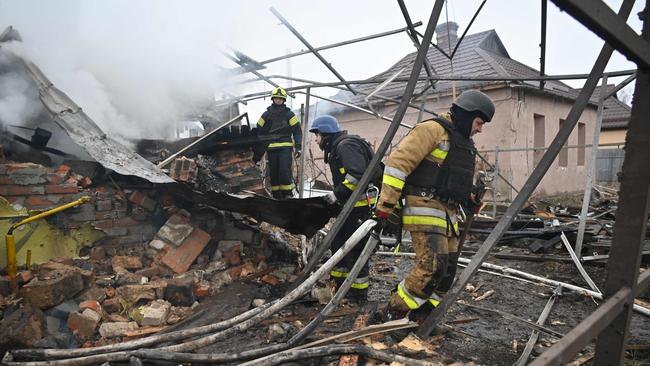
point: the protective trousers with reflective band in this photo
(281, 172)
(342, 269)
(432, 275)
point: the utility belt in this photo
(430, 192)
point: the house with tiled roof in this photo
(526, 121)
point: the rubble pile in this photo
(148, 264)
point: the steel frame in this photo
(533, 180)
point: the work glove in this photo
(387, 223)
(330, 198)
(475, 205)
(297, 154)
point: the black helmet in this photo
(476, 101)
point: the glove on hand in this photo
(331, 198)
(474, 205)
(297, 154)
(387, 223)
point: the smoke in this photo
(137, 68)
(18, 99)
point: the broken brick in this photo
(85, 182)
(202, 289)
(142, 200)
(247, 269)
(91, 304)
(126, 262)
(84, 324)
(183, 169)
(232, 257)
(156, 313)
(59, 285)
(9, 190)
(112, 305)
(270, 279)
(180, 259)
(116, 329)
(176, 229)
(103, 205)
(235, 272)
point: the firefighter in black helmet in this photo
(279, 120)
(433, 168)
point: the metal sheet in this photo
(85, 132)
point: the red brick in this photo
(61, 188)
(137, 197)
(201, 290)
(247, 269)
(232, 257)
(72, 180)
(110, 215)
(21, 190)
(126, 221)
(126, 262)
(235, 272)
(103, 224)
(85, 182)
(63, 170)
(270, 279)
(181, 258)
(93, 305)
(5, 180)
(84, 324)
(38, 203)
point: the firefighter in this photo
(348, 157)
(279, 120)
(433, 169)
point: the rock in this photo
(156, 313)
(258, 302)
(126, 262)
(277, 332)
(22, 328)
(84, 324)
(322, 294)
(116, 329)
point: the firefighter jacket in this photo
(280, 120)
(427, 144)
(348, 158)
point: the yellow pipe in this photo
(11, 242)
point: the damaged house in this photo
(526, 117)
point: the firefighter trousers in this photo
(436, 256)
(280, 169)
(342, 269)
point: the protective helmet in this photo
(279, 93)
(476, 101)
(325, 124)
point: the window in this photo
(563, 157)
(582, 140)
(539, 138)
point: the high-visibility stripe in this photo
(360, 286)
(293, 120)
(261, 122)
(426, 220)
(282, 187)
(338, 274)
(440, 154)
(351, 179)
(413, 302)
(394, 172)
(281, 144)
(349, 185)
(424, 211)
(393, 182)
(342, 170)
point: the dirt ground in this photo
(486, 339)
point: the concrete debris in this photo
(116, 329)
(155, 314)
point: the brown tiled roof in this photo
(616, 114)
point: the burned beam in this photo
(533, 180)
(609, 26)
(312, 49)
(631, 217)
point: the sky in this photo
(137, 67)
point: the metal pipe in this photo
(305, 136)
(10, 241)
(589, 178)
(620, 85)
(344, 43)
(383, 147)
(576, 261)
(174, 155)
(467, 29)
(542, 44)
(531, 183)
(312, 49)
(523, 359)
(411, 33)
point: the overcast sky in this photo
(135, 66)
